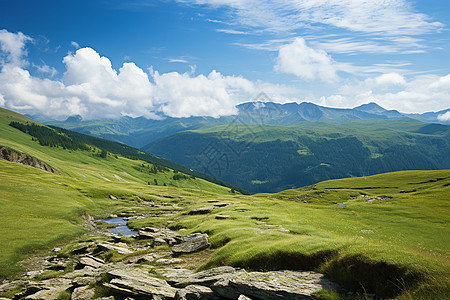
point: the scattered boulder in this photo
(194, 244)
(222, 217)
(112, 197)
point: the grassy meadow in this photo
(386, 234)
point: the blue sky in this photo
(202, 57)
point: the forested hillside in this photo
(273, 158)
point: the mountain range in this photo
(138, 132)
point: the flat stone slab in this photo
(290, 285)
(183, 277)
(138, 282)
(119, 249)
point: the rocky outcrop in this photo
(23, 159)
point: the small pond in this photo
(121, 228)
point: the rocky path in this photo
(151, 265)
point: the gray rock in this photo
(243, 297)
(222, 217)
(195, 292)
(194, 244)
(159, 242)
(202, 210)
(90, 261)
(83, 281)
(46, 289)
(120, 249)
(167, 261)
(138, 282)
(272, 285)
(146, 235)
(182, 277)
(83, 293)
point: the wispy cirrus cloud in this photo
(376, 26)
(389, 17)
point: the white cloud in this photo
(232, 31)
(75, 45)
(178, 60)
(444, 117)
(392, 91)
(213, 95)
(390, 79)
(12, 46)
(305, 62)
(45, 69)
(390, 17)
(92, 88)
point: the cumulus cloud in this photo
(214, 95)
(392, 91)
(302, 61)
(444, 117)
(92, 88)
(12, 46)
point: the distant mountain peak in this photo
(371, 107)
(74, 119)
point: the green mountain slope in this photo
(40, 207)
(268, 158)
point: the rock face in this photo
(272, 285)
(193, 244)
(23, 159)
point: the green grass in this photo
(377, 246)
(396, 247)
(40, 209)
